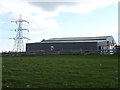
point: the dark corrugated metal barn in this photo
(83, 44)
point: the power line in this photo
(4, 38)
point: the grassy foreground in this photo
(60, 71)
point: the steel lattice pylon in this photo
(19, 45)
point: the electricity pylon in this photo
(19, 44)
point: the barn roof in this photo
(78, 39)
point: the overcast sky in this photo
(63, 18)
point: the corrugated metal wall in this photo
(33, 47)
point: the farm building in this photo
(74, 44)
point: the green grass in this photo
(60, 71)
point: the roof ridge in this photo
(79, 37)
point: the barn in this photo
(97, 44)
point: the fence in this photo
(73, 52)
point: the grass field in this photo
(60, 71)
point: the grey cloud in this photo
(50, 6)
